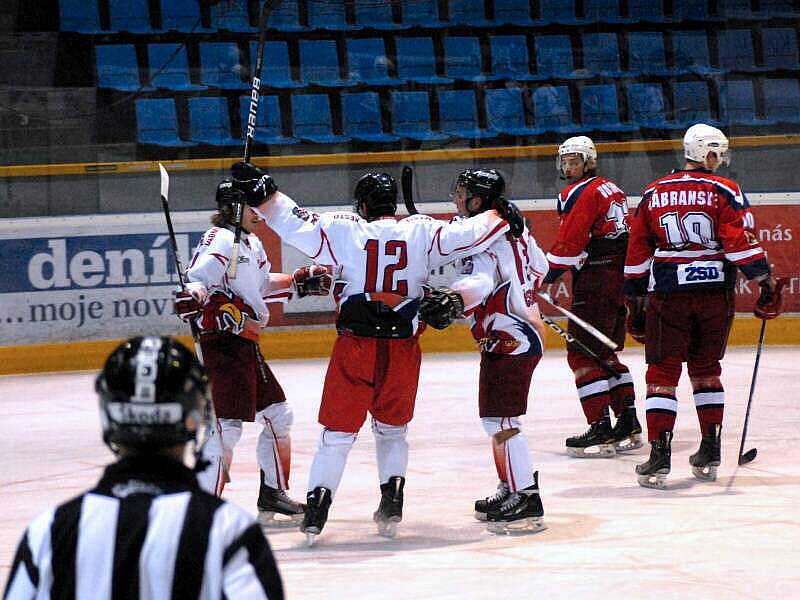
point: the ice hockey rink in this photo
(738, 537)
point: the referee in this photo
(146, 530)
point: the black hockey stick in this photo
(588, 327)
(255, 90)
(748, 456)
(570, 339)
(406, 181)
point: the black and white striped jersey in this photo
(147, 531)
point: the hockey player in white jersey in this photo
(375, 362)
(496, 292)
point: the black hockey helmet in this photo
(153, 394)
(227, 194)
(375, 195)
(487, 184)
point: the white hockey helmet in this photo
(580, 145)
(701, 139)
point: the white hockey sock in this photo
(231, 434)
(274, 446)
(514, 447)
(330, 459)
(391, 449)
(211, 478)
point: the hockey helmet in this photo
(580, 145)
(153, 394)
(701, 139)
(375, 195)
(227, 194)
(486, 184)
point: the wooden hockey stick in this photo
(570, 339)
(406, 181)
(599, 335)
(255, 90)
(748, 456)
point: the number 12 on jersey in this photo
(396, 259)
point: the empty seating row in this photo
(367, 61)
(510, 111)
(83, 16)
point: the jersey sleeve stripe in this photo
(736, 257)
(640, 269)
(565, 261)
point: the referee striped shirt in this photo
(147, 531)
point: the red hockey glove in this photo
(186, 306)
(312, 280)
(768, 305)
(635, 323)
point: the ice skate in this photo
(390, 510)
(653, 473)
(317, 504)
(627, 431)
(492, 502)
(521, 512)
(276, 508)
(706, 460)
(597, 442)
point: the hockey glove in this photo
(312, 280)
(188, 305)
(441, 307)
(768, 305)
(635, 323)
(256, 184)
(509, 211)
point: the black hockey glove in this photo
(441, 307)
(256, 183)
(509, 211)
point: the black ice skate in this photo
(627, 431)
(521, 512)
(706, 460)
(390, 510)
(492, 502)
(653, 473)
(597, 442)
(276, 508)
(317, 504)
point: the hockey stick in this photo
(570, 339)
(255, 90)
(601, 337)
(751, 454)
(406, 179)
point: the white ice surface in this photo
(608, 538)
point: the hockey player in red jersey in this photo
(591, 242)
(374, 367)
(690, 232)
(496, 291)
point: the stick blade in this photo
(748, 456)
(164, 183)
(406, 181)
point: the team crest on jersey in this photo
(494, 326)
(230, 318)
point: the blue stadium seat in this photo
(458, 115)
(559, 11)
(327, 15)
(376, 15)
(646, 54)
(510, 59)
(319, 63)
(169, 68)
(553, 109)
(157, 123)
(600, 108)
(462, 58)
(739, 9)
(514, 12)
(691, 10)
(736, 50)
(690, 53)
(361, 116)
(311, 114)
(368, 62)
(601, 54)
(603, 11)
(505, 112)
(209, 122)
(737, 103)
(232, 15)
(117, 67)
(646, 106)
(220, 65)
(469, 13)
(275, 69)
(411, 117)
(647, 11)
(79, 16)
(691, 103)
(416, 60)
(422, 13)
(286, 17)
(780, 48)
(268, 129)
(780, 100)
(182, 15)
(779, 8)
(554, 57)
(130, 15)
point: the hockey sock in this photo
(329, 461)
(661, 410)
(391, 449)
(274, 446)
(511, 452)
(622, 394)
(710, 404)
(594, 395)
